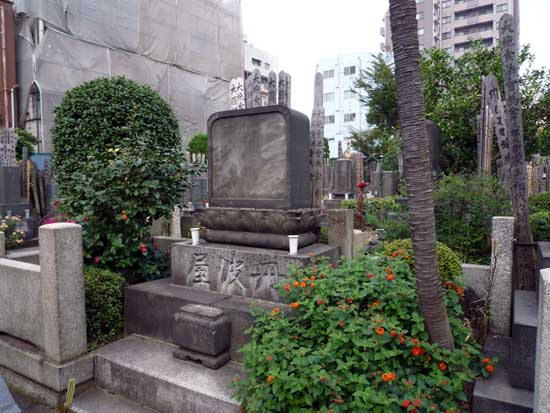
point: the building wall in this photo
(453, 24)
(344, 112)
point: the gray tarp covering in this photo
(187, 50)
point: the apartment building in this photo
(255, 58)
(454, 24)
(344, 113)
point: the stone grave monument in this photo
(10, 176)
(343, 170)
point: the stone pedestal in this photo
(340, 230)
(239, 270)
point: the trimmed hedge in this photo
(540, 225)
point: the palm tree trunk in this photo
(417, 168)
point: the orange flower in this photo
(312, 285)
(312, 278)
(275, 311)
(388, 377)
(406, 257)
(320, 302)
(486, 360)
(393, 333)
(380, 331)
(388, 270)
(376, 303)
(417, 351)
(303, 284)
(442, 366)
(390, 277)
(295, 305)
(288, 287)
(296, 284)
(269, 379)
(489, 368)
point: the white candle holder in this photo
(330, 197)
(27, 213)
(347, 196)
(293, 244)
(195, 236)
(8, 214)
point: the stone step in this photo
(145, 371)
(524, 340)
(96, 400)
(496, 394)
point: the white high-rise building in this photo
(255, 58)
(344, 112)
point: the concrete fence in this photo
(43, 318)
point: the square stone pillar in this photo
(501, 263)
(63, 299)
(542, 363)
(340, 230)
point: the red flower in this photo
(380, 331)
(341, 324)
(486, 360)
(370, 275)
(393, 333)
(143, 248)
(442, 366)
(269, 379)
(85, 219)
(156, 247)
(56, 203)
(287, 287)
(362, 185)
(417, 403)
(417, 351)
(97, 260)
(390, 277)
(406, 403)
(269, 358)
(349, 301)
(320, 302)
(489, 368)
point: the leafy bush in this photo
(464, 209)
(448, 262)
(25, 139)
(13, 236)
(356, 342)
(104, 305)
(198, 144)
(540, 225)
(118, 165)
(540, 202)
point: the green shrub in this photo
(118, 165)
(104, 305)
(464, 209)
(198, 144)
(448, 262)
(540, 225)
(540, 202)
(356, 342)
(25, 139)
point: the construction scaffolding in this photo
(187, 50)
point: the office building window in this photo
(446, 19)
(349, 117)
(420, 31)
(348, 94)
(502, 8)
(256, 62)
(419, 1)
(328, 97)
(445, 4)
(329, 119)
(446, 35)
(419, 15)
(328, 74)
(349, 70)
(267, 65)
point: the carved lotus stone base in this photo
(263, 228)
(240, 270)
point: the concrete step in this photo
(524, 340)
(96, 400)
(496, 394)
(145, 371)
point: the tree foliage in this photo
(452, 92)
(118, 163)
(198, 144)
(25, 139)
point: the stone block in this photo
(239, 270)
(96, 400)
(10, 185)
(358, 243)
(502, 258)
(165, 243)
(477, 278)
(343, 177)
(388, 184)
(62, 291)
(340, 230)
(542, 362)
(332, 203)
(259, 158)
(202, 329)
(524, 338)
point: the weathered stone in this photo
(272, 88)
(8, 145)
(358, 242)
(259, 158)
(202, 329)
(10, 185)
(259, 239)
(388, 184)
(211, 362)
(477, 278)
(7, 403)
(239, 270)
(236, 94)
(253, 89)
(96, 400)
(501, 300)
(284, 89)
(542, 362)
(524, 338)
(62, 291)
(175, 222)
(317, 142)
(340, 230)
(342, 177)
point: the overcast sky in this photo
(300, 32)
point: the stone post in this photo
(63, 308)
(317, 142)
(175, 223)
(340, 230)
(501, 264)
(542, 363)
(272, 88)
(284, 87)
(2, 245)
(253, 89)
